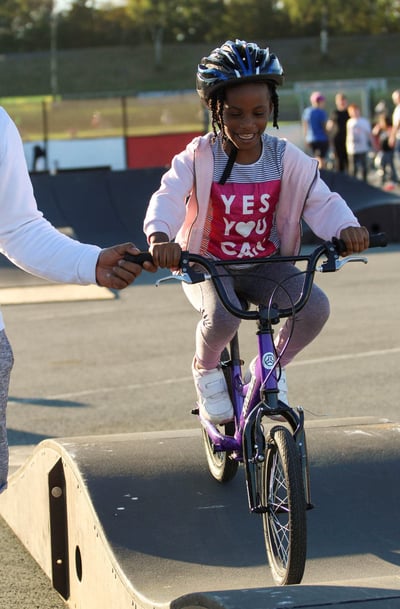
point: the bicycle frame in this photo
(246, 396)
(252, 402)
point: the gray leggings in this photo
(256, 284)
(6, 364)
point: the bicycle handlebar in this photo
(330, 249)
(375, 240)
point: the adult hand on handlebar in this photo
(355, 238)
(112, 271)
(165, 253)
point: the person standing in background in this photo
(394, 140)
(314, 121)
(384, 160)
(336, 127)
(359, 141)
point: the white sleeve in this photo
(396, 117)
(26, 237)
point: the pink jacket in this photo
(303, 195)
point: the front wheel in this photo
(285, 528)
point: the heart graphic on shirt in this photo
(245, 228)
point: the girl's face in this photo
(247, 108)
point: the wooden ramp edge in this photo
(135, 520)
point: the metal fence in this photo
(46, 118)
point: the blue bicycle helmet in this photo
(236, 61)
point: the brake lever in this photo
(191, 277)
(343, 261)
(338, 263)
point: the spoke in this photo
(281, 540)
(278, 503)
(284, 521)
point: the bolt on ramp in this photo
(135, 520)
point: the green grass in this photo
(124, 70)
(104, 116)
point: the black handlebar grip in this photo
(139, 258)
(375, 240)
(378, 240)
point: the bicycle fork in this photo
(254, 447)
(254, 451)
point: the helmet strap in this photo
(229, 165)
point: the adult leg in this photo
(384, 164)
(352, 165)
(341, 155)
(364, 165)
(392, 168)
(6, 363)
(343, 164)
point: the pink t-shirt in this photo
(240, 220)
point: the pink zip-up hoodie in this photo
(179, 207)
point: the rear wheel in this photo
(285, 527)
(221, 465)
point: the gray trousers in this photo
(6, 364)
(280, 282)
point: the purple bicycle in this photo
(274, 455)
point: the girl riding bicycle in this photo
(238, 192)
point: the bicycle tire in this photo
(220, 464)
(284, 522)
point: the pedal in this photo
(195, 411)
(259, 509)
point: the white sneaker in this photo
(282, 384)
(283, 387)
(212, 393)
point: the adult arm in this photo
(34, 244)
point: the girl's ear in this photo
(271, 108)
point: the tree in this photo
(152, 16)
(176, 20)
(24, 23)
(344, 16)
(197, 20)
(259, 20)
